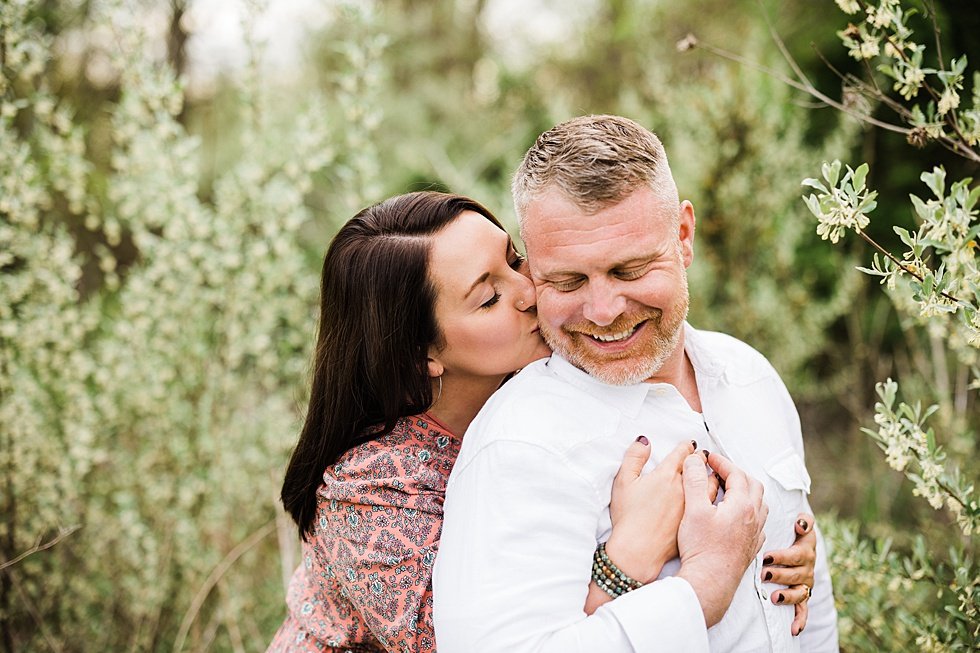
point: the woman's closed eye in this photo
(493, 300)
(518, 261)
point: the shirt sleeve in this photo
(385, 554)
(515, 564)
(820, 633)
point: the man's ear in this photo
(685, 232)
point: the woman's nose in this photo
(525, 296)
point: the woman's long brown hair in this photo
(377, 322)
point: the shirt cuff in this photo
(664, 615)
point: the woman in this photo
(424, 313)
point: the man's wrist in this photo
(709, 581)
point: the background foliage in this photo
(160, 249)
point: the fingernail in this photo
(721, 481)
(800, 631)
(803, 524)
(768, 575)
(780, 598)
(767, 560)
(694, 443)
(705, 452)
(643, 440)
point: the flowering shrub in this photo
(926, 599)
(154, 414)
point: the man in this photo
(608, 245)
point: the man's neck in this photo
(678, 371)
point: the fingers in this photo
(713, 484)
(734, 478)
(788, 575)
(799, 619)
(802, 553)
(634, 459)
(791, 595)
(695, 482)
(674, 461)
(804, 523)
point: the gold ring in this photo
(807, 588)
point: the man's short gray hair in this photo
(595, 161)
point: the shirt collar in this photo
(702, 359)
(626, 398)
(629, 398)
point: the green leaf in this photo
(972, 198)
(859, 176)
(815, 184)
(921, 209)
(935, 180)
(831, 172)
(905, 236)
(958, 66)
(813, 204)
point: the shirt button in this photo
(661, 392)
(763, 595)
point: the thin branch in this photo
(783, 51)
(803, 87)
(216, 574)
(863, 87)
(40, 547)
(936, 32)
(902, 265)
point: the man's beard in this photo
(659, 339)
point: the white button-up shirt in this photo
(528, 500)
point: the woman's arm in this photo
(384, 558)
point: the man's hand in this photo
(717, 543)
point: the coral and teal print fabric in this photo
(365, 581)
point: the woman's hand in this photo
(646, 510)
(793, 567)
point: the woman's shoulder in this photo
(416, 455)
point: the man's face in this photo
(612, 286)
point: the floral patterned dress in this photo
(365, 581)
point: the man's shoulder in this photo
(540, 408)
(741, 362)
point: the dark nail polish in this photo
(767, 560)
(800, 631)
(694, 443)
(768, 575)
(721, 481)
(643, 440)
(705, 452)
(780, 598)
(803, 524)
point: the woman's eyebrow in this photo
(483, 277)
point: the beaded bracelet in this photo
(610, 578)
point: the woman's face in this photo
(484, 303)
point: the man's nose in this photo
(604, 304)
